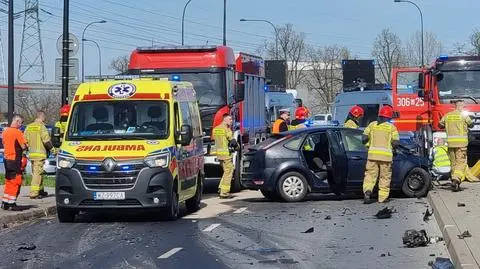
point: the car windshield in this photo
(119, 120)
(459, 85)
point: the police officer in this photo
(39, 146)
(381, 135)
(280, 125)
(224, 146)
(456, 126)
(301, 115)
(353, 118)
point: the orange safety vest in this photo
(276, 126)
(380, 140)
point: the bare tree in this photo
(387, 51)
(413, 48)
(120, 64)
(325, 79)
(27, 103)
(460, 48)
(475, 42)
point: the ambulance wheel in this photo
(417, 183)
(173, 207)
(66, 215)
(193, 204)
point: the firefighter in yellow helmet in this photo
(224, 146)
(39, 147)
(456, 126)
(381, 136)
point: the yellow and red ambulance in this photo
(130, 143)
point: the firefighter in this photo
(354, 116)
(456, 126)
(14, 146)
(62, 123)
(39, 147)
(281, 125)
(441, 160)
(301, 115)
(224, 146)
(381, 135)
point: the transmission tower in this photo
(31, 66)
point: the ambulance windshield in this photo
(119, 120)
(459, 85)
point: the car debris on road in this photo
(414, 238)
(385, 213)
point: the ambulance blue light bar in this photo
(175, 78)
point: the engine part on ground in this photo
(414, 238)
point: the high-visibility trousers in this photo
(458, 158)
(226, 180)
(373, 170)
(37, 177)
(12, 189)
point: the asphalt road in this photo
(246, 232)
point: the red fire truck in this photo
(422, 97)
(223, 85)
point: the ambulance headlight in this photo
(160, 160)
(65, 162)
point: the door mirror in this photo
(185, 135)
(421, 93)
(396, 115)
(421, 81)
(239, 76)
(240, 92)
(56, 137)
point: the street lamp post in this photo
(10, 92)
(421, 22)
(83, 53)
(224, 22)
(183, 21)
(99, 56)
(276, 34)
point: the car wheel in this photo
(193, 204)
(292, 187)
(270, 195)
(66, 215)
(416, 183)
(173, 207)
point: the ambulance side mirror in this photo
(56, 137)
(185, 135)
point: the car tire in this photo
(270, 195)
(292, 187)
(173, 207)
(416, 183)
(236, 185)
(193, 204)
(66, 215)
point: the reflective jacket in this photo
(279, 126)
(440, 157)
(351, 124)
(37, 137)
(456, 126)
(380, 138)
(222, 135)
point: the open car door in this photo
(338, 180)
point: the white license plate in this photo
(109, 195)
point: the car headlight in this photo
(65, 162)
(160, 160)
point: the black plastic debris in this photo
(328, 217)
(385, 213)
(465, 235)
(27, 247)
(414, 238)
(460, 204)
(310, 230)
(441, 263)
(427, 215)
(383, 255)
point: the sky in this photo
(130, 24)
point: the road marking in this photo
(211, 227)
(168, 254)
(240, 210)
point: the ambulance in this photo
(130, 143)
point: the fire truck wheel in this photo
(417, 183)
(193, 204)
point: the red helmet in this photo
(356, 111)
(65, 110)
(386, 111)
(301, 113)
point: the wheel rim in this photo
(415, 182)
(293, 186)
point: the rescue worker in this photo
(39, 147)
(224, 146)
(301, 114)
(14, 145)
(381, 135)
(62, 123)
(456, 126)
(441, 161)
(353, 117)
(280, 125)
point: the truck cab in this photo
(130, 144)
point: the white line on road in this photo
(240, 210)
(211, 227)
(169, 253)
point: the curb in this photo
(458, 249)
(29, 215)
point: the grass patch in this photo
(48, 181)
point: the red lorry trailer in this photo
(223, 85)
(422, 97)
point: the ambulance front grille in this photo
(95, 176)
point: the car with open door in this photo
(289, 165)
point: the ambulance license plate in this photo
(109, 195)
